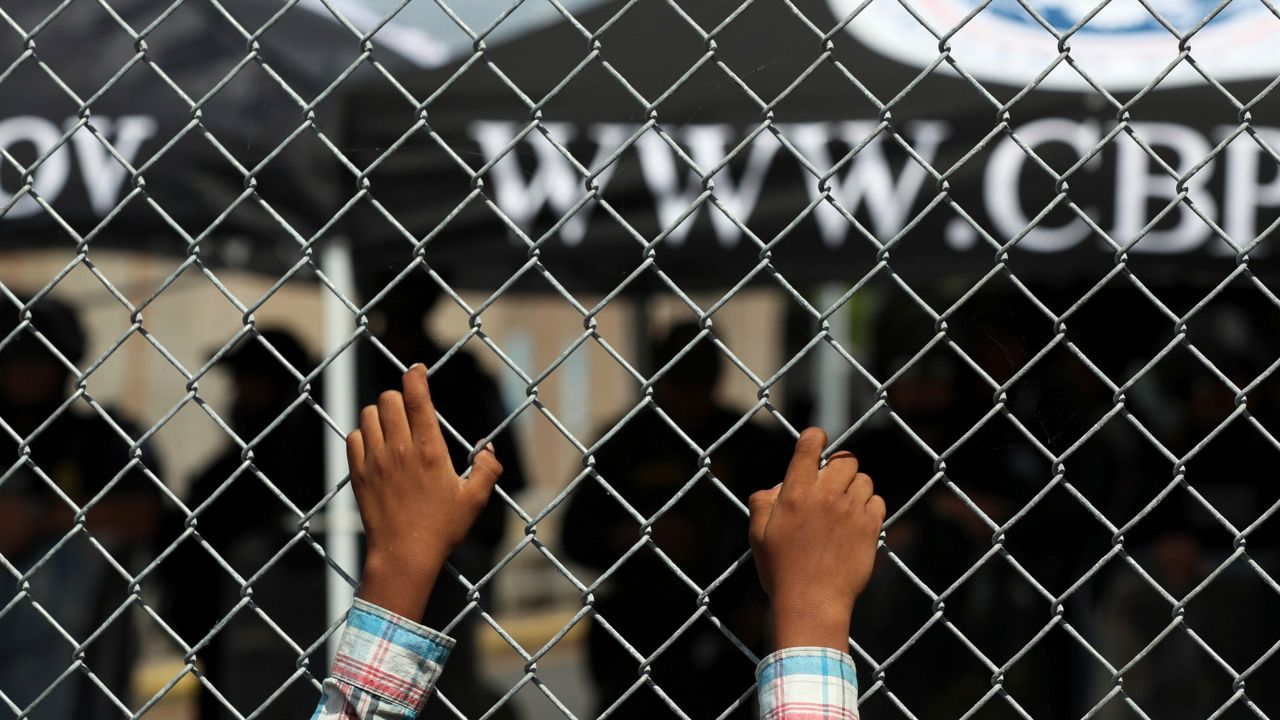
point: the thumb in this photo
(760, 504)
(485, 471)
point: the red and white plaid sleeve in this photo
(385, 668)
(807, 683)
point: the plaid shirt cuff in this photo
(807, 683)
(385, 658)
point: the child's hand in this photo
(814, 538)
(414, 506)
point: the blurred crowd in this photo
(238, 582)
(995, 552)
(1025, 555)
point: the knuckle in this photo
(841, 471)
(482, 468)
(794, 500)
(847, 467)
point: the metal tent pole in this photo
(342, 520)
(831, 372)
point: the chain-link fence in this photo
(1080, 519)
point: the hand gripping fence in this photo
(881, 669)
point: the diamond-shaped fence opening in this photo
(1015, 256)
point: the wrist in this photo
(812, 622)
(400, 584)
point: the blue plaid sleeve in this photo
(807, 683)
(385, 668)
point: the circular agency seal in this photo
(1123, 47)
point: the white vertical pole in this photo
(342, 521)
(641, 339)
(832, 384)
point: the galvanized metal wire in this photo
(648, 261)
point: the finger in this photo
(875, 506)
(861, 489)
(485, 471)
(395, 426)
(420, 411)
(355, 452)
(760, 504)
(370, 429)
(840, 471)
(804, 463)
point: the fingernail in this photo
(415, 366)
(489, 447)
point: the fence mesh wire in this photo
(881, 668)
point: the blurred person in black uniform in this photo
(469, 400)
(1180, 542)
(247, 525)
(647, 463)
(939, 537)
(79, 454)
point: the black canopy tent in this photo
(250, 178)
(636, 80)
(217, 134)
